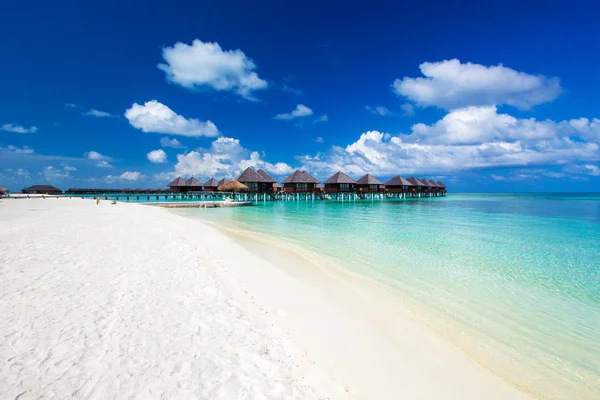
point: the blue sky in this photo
(487, 96)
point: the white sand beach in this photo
(130, 301)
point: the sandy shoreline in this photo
(134, 301)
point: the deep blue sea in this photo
(511, 279)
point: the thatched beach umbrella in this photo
(233, 186)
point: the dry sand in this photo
(129, 301)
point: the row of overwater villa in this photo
(300, 185)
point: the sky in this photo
(488, 96)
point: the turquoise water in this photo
(513, 280)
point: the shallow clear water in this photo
(514, 280)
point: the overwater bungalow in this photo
(339, 183)
(255, 182)
(193, 185)
(272, 181)
(417, 184)
(177, 186)
(221, 182)
(211, 185)
(399, 185)
(441, 187)
(299, 182)
(3, 191)
(42, 189)
(369, 184)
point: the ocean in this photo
(511, 279)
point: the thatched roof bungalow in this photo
(255, 181)
(211, 185)
(193, 185)
(399, 185)
(299, 182)
(178, 185)
(417, 183)
(3, 190)
(339, 183)
(272, 181)
(441, 187)
(369, 184)
(42, 189)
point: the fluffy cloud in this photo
(174, 143)
(319, 139)
(449, 84)
(378, 110)
(156, 117)
(205, 64)
(52, 174)
(104, 164)
(470, 138)
(125, 176)
(157, 156)
(103, 161)
(94, 155)
(69, 168)
(18, 128)
(300, 111)
(97, 113)
(226, 158)
(322, 118)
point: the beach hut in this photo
(42, 189)
(193, 185)
(255, 181)
(430, 188)
(399, 185)
(299, 182)
(233, 186)
(369, 184)
(211, 185)
(178, 185)
(433, 187)
(417, 184)
(270, 180)
(441, 187)
(339, 183)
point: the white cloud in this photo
(409, 110)
(378, 110)
(157, 156)
(322, 118)
(205, 64)
(475, 137)
(94, 155)
(319, 139)
(156, 117)
(17, 150)
(174, 143)
(225, 158)
(18, 173)
(449, 84)
(97, 113)
(69, 168)
(104, 164)
(103, 161)
(18, 128)
(300, 111)
(50, 174)
(125, 176)
(131, 176)
(592, 170)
